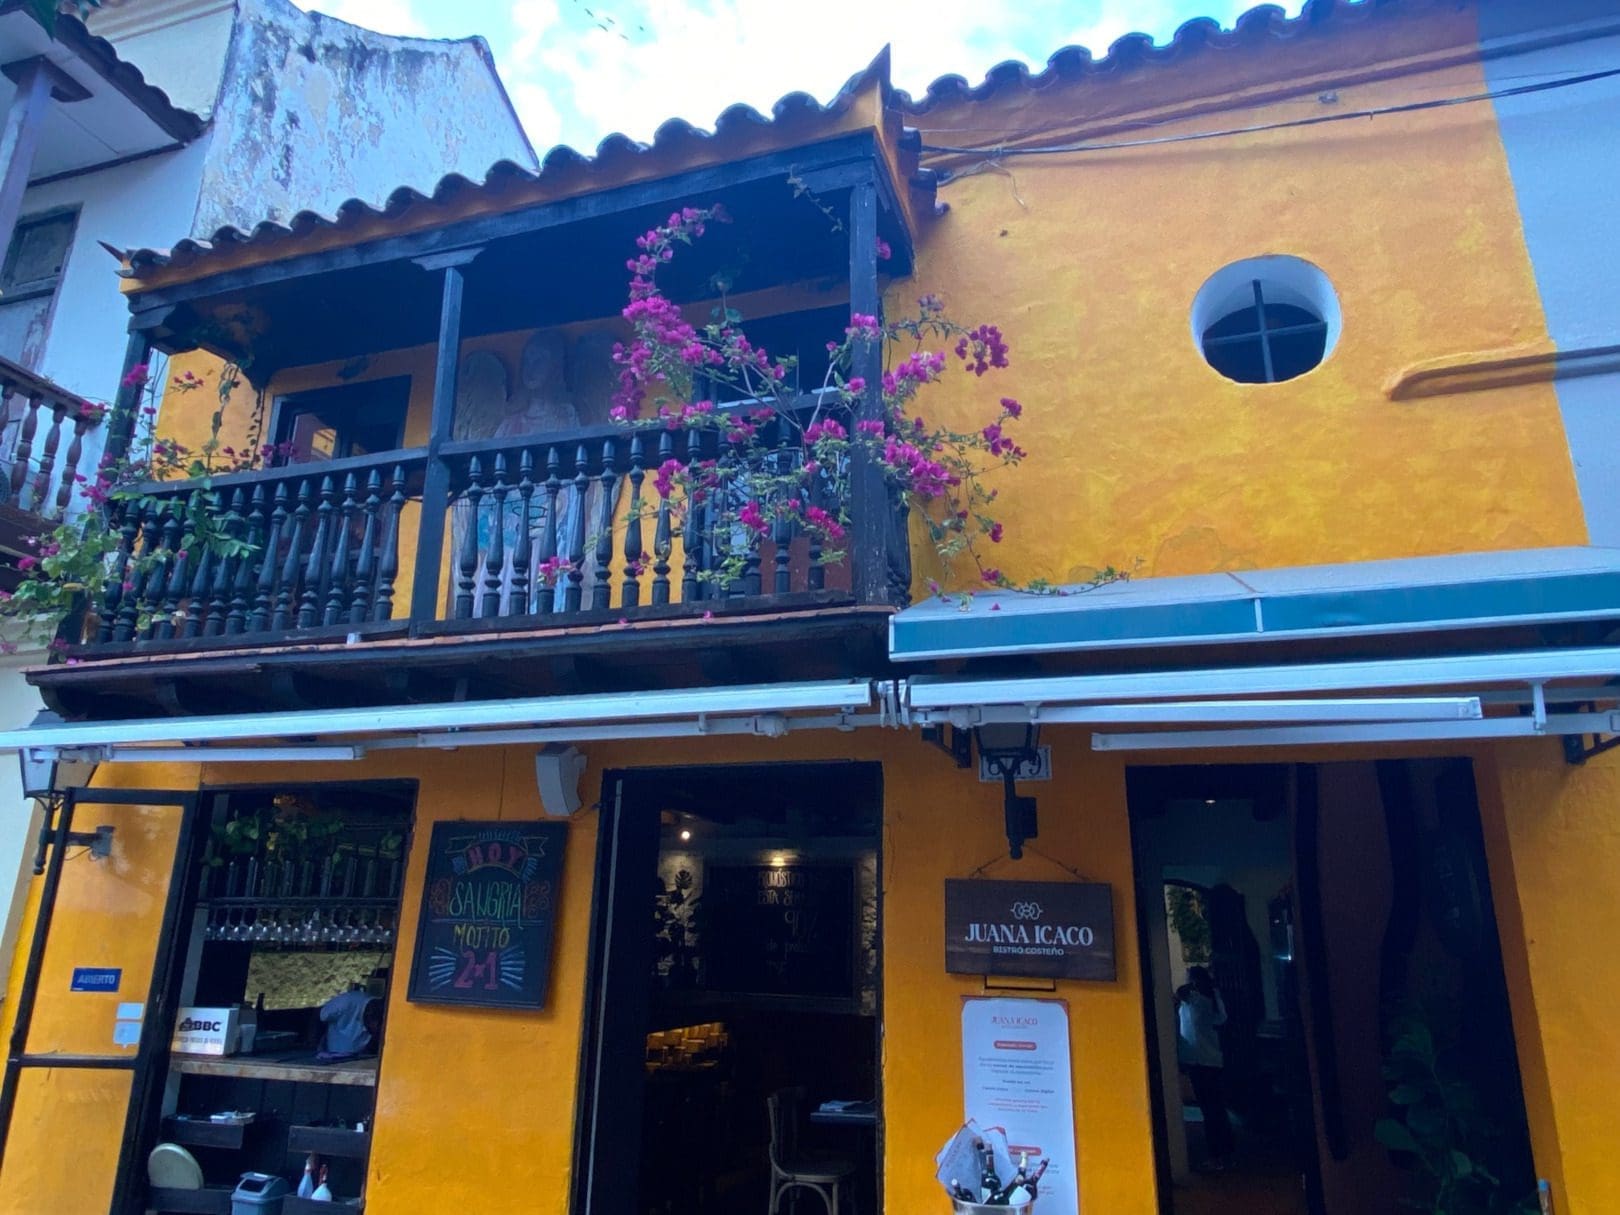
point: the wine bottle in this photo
(323, 1192)
(990, 1181)
(1033, 1185)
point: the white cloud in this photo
(579, 69)
(385, 16)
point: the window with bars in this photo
(1266, 342)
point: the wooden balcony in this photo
(542, 532)
(36, 471)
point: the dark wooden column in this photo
(436, 484)
(868, 506)
(127, 400)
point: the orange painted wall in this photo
(1138, 450)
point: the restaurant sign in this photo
(1043, 930)
(488, 914)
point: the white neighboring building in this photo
(167, 119)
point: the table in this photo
(860, 1114)
(300, 1067)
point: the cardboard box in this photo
(206, 1031)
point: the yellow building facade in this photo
(1431, 428)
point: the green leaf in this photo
(1426, 1121)
(1394, 1136)
(1461, 1165)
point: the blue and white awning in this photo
(1416, 594)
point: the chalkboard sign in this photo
(786, 930)
(489, 907)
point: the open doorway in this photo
(1325, 1004)
(735, 961)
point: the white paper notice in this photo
(1015, 1073)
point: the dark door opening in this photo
(735, 959)
(1323, 985)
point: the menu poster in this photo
(489, 909)
(1015, 1075)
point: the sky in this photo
(578, 70)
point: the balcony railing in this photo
(36, 473)
(537, 532)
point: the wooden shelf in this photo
(188, 1202)
(359, 1073)
(328, 1141)
(200, 1132)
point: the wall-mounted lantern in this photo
(1007, 747)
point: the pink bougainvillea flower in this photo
(995, 533)
(884, 253)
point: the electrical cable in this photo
(1003, 152)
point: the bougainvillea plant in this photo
(71, 564)
(673, 374)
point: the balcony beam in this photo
(436, 481)
(868, 539)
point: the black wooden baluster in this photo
(783, 536)
(692, 586)
(467, 559)
(202, 583)
(574, 590)
(754, 544)
(169, 585)
(663, 545)
(517, 603)
(489, 603)
(264, 590)
(287, 583)
(388, 566)
(602, 590)
(365, 566)
(135, 576)
(630, 595)
(123, 569)
(247, 566)
(546, 591)
(316, 569)
(817, 577)
(219, 601)
(337, 595)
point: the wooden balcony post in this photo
(868, 532)
(127, 403)
(436, 481)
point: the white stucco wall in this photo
(179, 45)
(146, 203)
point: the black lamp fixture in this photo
(1007, 747)
(47, 776)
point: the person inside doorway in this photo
(1200, 1012)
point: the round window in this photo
(1266, 319)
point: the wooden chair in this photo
(793, 1169)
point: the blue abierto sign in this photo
(96, 978)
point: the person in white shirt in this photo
(1200, 1012)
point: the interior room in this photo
(761, 992)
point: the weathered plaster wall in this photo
(1138, 450)
(316, 111)
(1566, 174)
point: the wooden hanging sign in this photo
(1044, 930)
